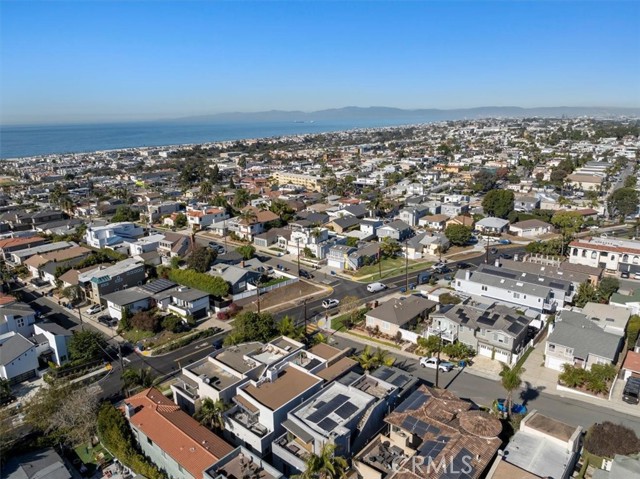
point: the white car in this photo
(96, 308)
(376, 287)
(432, 363)
(330, 303)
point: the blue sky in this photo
(106, 61)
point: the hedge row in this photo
(183, 341)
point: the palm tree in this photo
(248, 216)
(325, 465)
(210, 413)
(205, 188)
(132, 377)
(511, 381)
(369, 359)
(383, 358)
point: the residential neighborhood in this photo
(372, 301)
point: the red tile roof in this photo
(6, 299)
(190, 444)
(601, 247)
(632, 362)
(11, 242)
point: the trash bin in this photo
(462, 364)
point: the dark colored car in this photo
(305, 274)
(494, 250)
(624, 274)
(631, 393)
(506, 256)
(464, 265)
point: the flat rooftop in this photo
(286, 344)
(290, 383)
(269, 354)
(537, 454)
(325, 351)
(217, 377)
(374, 387)
(236, 357)
(333, 407)
(241, 466)
(551, 426)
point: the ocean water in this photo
(22, 141)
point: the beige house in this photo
(399, 313)
(585, 182)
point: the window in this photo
(551, 347)
(575, 252)
(20, 322)
(385, 325)
(635, 260)
(458, 283)
(625, 258)
(149, 441)
(594, 255)
(516, 295)
(118, 279)
(484, 288)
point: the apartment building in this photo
(202, 217)
(611, 254)
(108, 279)
(313, 183)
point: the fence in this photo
(266, 289)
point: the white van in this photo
(375, 287)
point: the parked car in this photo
(636, 276)
(631, 393)
(515, 407)
(504, 241)
(464, 265)
(432, 363)
(330, 303)
(106, 320)
(424, 278)
(624, 274)
(96, 308)
(376, 287)
(494, 250)
(305, 274)
(506, 256)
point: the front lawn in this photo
(136, 335)
(273, 281)
(390, 267)
(91, 457)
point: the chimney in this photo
(467, 275)
(497, 263)
(129, 410)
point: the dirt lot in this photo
(274, 299)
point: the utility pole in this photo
(305, 316)
(258, 291)
(438, 356)
(488, 243)
(80, 316)
(298, 245)
(379, 263)
(406, 264)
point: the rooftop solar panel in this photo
(346, 410)
(328, 408)
(431, 449)
(383, 373)
(327, 424)
(400, 380)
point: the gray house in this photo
(397, 230)
(579, 341)
(367, 254)
(412, 214)
(493, 330)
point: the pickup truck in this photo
(432, 363)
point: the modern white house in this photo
(530, 228)
(18, 318)
(492, 225)
(612, 254)
(58, 339)
(112, 234)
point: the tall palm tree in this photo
(210, 413)
(511, 381)
(370, 359)
(248, 216)
(383, 358)
(325, 465)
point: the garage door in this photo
(484, 350)
(504, 356)
(201, 313)
(334, 264)
(554, 363)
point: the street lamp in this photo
(298, 245)
(439, 334)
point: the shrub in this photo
(214, 285)
(608, 439)
(145, 321)
(222, 315)
(234, 309)
(183, 341)
(448, 298)
(172, 323)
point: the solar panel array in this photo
(431, 449)
(328, 408)
(383, 373)
(346, 410)
(327, 424)
(419, 427)
(400, 380)
(413, 402)
(460, 467)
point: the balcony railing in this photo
(249, 422)
(446, 335)
(292, 446)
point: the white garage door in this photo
(503, 356)
(484, 350)
(334, 264)
(554, 363)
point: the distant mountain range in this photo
(427, 114)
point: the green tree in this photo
(630, 181)
(125, 213)
(211, 413)
(214, 177)
(430, 345)
(326, 465)
(125, 320)
(458, 235)
(511, 379)
(287, 327)
(390, 247)
(86, 345)
(214, 285)
(201, 259)
(633, 330)
(5, 390)
(133, 378)
(73, 293)
(569, 223)
(498, 203)
(606, 288)
(252, 326)
(623, 202)
(180, 221)
(571, 376)
(352, 241)
(246, 251)
(484, 180)
(586, 294)
(206, 188)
